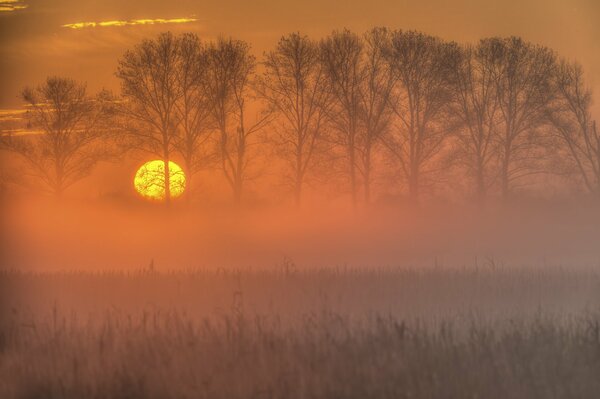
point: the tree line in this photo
(348, 109)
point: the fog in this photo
(44, 234)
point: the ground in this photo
(482, 332)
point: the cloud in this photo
(116, 23)
(11, 114)
(12, 5)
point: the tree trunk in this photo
(506, 158)
(237, 191)
(298, 180)
(367, 176)
(413, 184)
(353, 176)
(167, 179)
(504, 175)
(188, 181)
(298, 194)
(480, 184)
(59, 188)
(298, 186)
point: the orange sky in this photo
(34, 43)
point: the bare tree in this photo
(193, 108)
(295, 86)
(524, 76)
(227, 85)
(151, 88)
(341, 56)
(376, 92)
(422, 66)
(570, 116)
(476, 107)
(72, 129)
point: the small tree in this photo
(476, 108)
(193, 108)
(341, 57)
(72, 129)
(422, 66)
(151, 88)
(523, 73)
(294, 85)
(571, 120)
(227, 86)
(376, 94)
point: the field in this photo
(472, 332)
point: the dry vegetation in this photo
(485, 332)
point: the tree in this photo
(476, 108)
(227, 86)
(192, 109)
(151, 88)
(570, 117)
(523, 73)
(72, 129)
(294, 85)
(422, 67)
(341, 57)
(376, 92)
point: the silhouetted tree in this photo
(523, 73)
(422, 65)
(70, 132)
(376, 92)
(476, 107)
(342, 96)
(193, 108)
(295, 86)
(570, 116)
(341, 56)
(227, 86)
(151, 87)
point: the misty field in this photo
(484, 332)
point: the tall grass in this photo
(393, 333)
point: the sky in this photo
(38, 38)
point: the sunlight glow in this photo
(149, 180)
(104, 24)
(12, 5)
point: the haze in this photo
(102, 224)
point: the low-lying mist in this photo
(50, 235)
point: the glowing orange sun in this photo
(150, 179)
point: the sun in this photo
(149, 180)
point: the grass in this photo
(393, 333)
